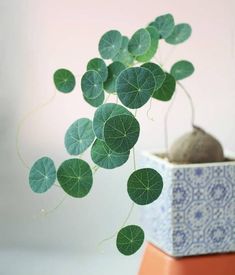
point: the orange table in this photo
(155, 262)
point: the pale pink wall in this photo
(41, 36)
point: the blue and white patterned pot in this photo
(195, 213)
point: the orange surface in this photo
(155, 262)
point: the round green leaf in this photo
(121, 133)
(98, 65)
(130, 239)
(140, 42)
(135, 86)
(91, 84)
(97, 101)
(103, 113)
(106, 158)
(180, 34)
(182, 69)
(64, 80)
(153, 46)
(110, 43)
(79, 136)
(124, 56)
(158, 73)
(42, 175)
(75, 177)
(144, 186)
(167, 89)
(165, 25)
(114, 69)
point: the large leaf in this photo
(106, 158)
(180, 34)
(64, 80)
(95, 102)
(114, 69)
(182, 69)
(121, 133)
(109, 44)
(167, 89)
(75, 177)
(140, 42)
(135, 86)
(130, 239)
(158, 73)
(164, 24)
(144, 186)
(79, 136)
(42, 175)
(153, 46)
(98, 64)
(91, 84)
(124, 56)
(103, 113)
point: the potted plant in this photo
(134, 77)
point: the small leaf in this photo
(79, 136)
(124, 56)
(165, 25)
(114, 69)
(103, 113)
(180, 34)
(75, 177)
(95, 102)
(64, 81)
(153, 46)
(91, 84)
(144, 186)
(167, 89)
(121, 133)
(182, 69)
(158, 73)
(98, 65)
(135, 86)
(110, 44)
(139, 43)
(130, 239)
(42, 175)
(106, 158)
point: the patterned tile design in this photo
(195, 213)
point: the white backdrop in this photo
(36, 38)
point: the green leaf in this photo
(158, 73)
(75, 177)
(106, 158)
(79, 136)
(103, 113)
(167, 89)
(114, 69)
(98, 64)
(140, 42)
(135, 86)
(180, 34)
(42, 175)
(124, 56)
(121, 133)
(95, 102)
(144, 186)
(91, 84)
(165, 25)
(64, 80)
(182, 69)
(153, 46)
(109, 44)
(130, 239)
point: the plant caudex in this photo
(114, 130)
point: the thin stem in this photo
(47, 212)
(107, 98)
(21, 123)
(149, 109)
(134, 160)
(190, 102)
